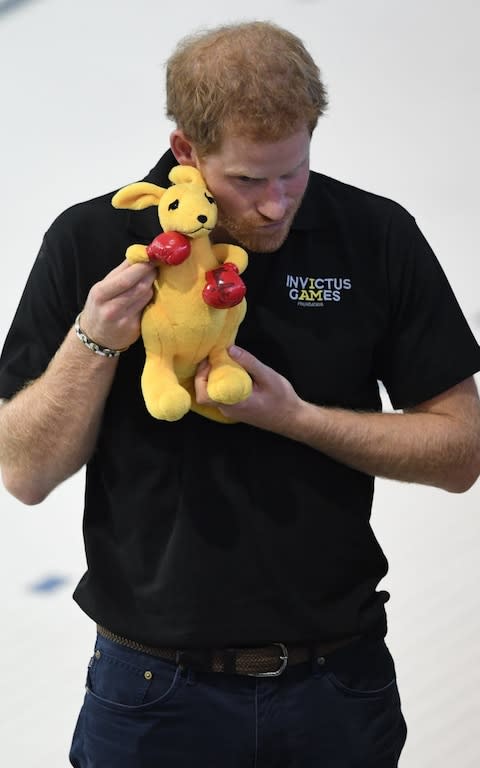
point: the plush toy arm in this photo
(232, 253)
(166, 248)
(136, 253)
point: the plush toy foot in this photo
(170, 405)
(209, 411)
(229, 385)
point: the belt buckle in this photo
(276, 672)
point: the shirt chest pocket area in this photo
(332, 365)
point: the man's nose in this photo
(273, 202)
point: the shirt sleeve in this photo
(46, 311)
(429, 346)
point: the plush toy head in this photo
(187, 207)
(199, 298)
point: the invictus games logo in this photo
(316, 291)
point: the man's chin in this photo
(261, 239)
(262, 242)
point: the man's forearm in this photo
(437, 442)
(49, 429)
(427, 448)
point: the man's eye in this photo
(173, 206)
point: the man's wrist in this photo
(292, 422)
(92, 345)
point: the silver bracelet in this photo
(92, 345)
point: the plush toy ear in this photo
(185, 174)
(138, 196)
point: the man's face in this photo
(258, 187)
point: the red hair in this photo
(254, 79)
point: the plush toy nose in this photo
(202, 219)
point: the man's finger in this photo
(203, 369)
(251, 364)
(122, 278)
(201, 381)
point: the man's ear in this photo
(183, 149)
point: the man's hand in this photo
(436, 443)
(49, 429)
(273, 400)
(112, 313)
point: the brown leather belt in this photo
(267, 661)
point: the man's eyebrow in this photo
(239, 172)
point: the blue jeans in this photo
(340, 711)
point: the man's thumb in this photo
(246, 360)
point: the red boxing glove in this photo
(224, 287)
(169, 248)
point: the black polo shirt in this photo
(204, 534)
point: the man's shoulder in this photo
(97, 219)
(341, 194)
(95, 216)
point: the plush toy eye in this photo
(173, 206)
(211, 200)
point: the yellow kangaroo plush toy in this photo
(198, 304)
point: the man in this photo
(232, 570)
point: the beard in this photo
(251, 233)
